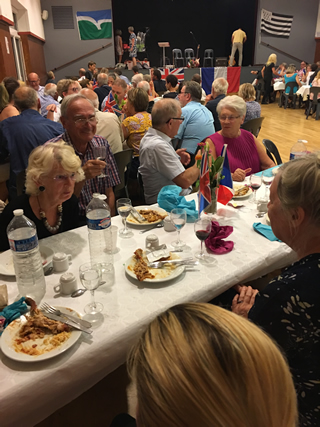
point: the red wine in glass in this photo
(255, 187)
(202, 234)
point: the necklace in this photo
(54, 229)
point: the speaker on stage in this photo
(221, 62)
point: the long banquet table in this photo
(29, 392)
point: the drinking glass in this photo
(100, 154)
(178, 218)
(124, 208)
(202, 228)
(255, 183)
(90, 276)
(267, 180)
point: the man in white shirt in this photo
(33, 81)
(160, 164)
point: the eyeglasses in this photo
(230, 118)
(176, 118)
(64, 178)
(75, 89)
(80, 122)
(183, 93)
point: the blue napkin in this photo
(169, 198)
(266, 231)
(12, 312)
(268, 172)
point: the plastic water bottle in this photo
(299, 149)
(23, 240)
(99, 235)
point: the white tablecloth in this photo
(304, 91)
(279, 85)
(29, 392)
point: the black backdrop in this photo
(211, 21)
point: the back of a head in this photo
(196, 361)
(163, 110)
(137, 78)
(291, 69)
(135, 69)
(91, 95)
(118, 71)
(50, 75)
(120, 82)
(50, 89)
(4, 97)
(247, 92)
(11, 84)
(272, 58)
(144, 85)
(172, 79)
(196, 78)
(313, 67)
(157, 74)
(102, 79)
(25, 98)
(220, 86)
(147, 78)
(84, 83)
(194, 89)
(82, 72)
(139, 99)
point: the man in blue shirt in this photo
(198, 120)
(49, 97)
(19, 135)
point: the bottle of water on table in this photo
(23, 241)
(299, 149)
(99, 235)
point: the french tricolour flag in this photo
(231, 74)
(225, 192)
(204, 188)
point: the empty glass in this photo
(90, 275)
(267, 180)
(178, 218)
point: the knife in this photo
(137, 215)
(67, 322)
(159, 225)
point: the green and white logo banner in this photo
(95, 25)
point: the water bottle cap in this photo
(102, 196)
(18, 212)
(303, 141)
(96, 195)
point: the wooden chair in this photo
(272, 151)
(123, 160)
(314, 103)
(253, 126)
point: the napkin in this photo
(215, 243)
(169, 198)
(12, 312)
(266, 231)
(268, 172)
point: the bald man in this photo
(49, 97)
(33, 81)
(108, 126)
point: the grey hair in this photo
(233, 102)
(144, 85)
(194, 89)
(137, 78)
(147, 78)
(69, 100)
(130, 29)
(220, 86)
(25, 98)
(163, 110)
(50, 89)
(291, 69)
(299, 186)
(102, 79)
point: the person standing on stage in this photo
(237, 39)
(133, 46)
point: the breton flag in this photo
(225, 191)
(178, 72)
(204, 188)
(231, 74)
(95, 25)
(276, 24)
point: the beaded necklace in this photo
(54, 229)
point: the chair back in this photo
(20, 182)
(208, 58)
(208, 53)
(253, 126)
(123, 160)
(177, 53)
(178, 59)
(272, 151)
(189, 54)
(315, 91)
(291, 85)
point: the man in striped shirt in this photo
(79, 120)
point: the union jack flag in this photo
(178, 72)
(204, 188)
(110, 105)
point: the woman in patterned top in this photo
(136, 124)
(248, 94)
(289, 307)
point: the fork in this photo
(49, 309)
(160, 264)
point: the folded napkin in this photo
(215, 243)
(266, 231)
(12, 312)
(169, 198)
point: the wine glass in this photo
(178, 218)
(90, 276)
(100, 154)
(267, 180)
(202, 228)
(124, 209)
(255, 183)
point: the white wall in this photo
(35, 23)
(5, 9)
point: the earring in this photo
(42, 188)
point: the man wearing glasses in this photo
(33, 81)
(160, 164)
(79, 120)
(198, 122)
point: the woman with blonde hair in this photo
(200, 365)
(291, 76)
(53, 169)
(248, 94)
(268, 71)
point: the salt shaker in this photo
(152, 242)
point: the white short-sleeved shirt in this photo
(159, 163)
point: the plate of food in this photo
(241, 191)
(137, 268)
(6, 259)
(153, 215)
(34, 337)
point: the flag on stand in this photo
(178, 72)
(204, 187)
(225, 192)
(231, 74)
(94, 25)
(276, 24)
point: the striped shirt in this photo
(94, 185)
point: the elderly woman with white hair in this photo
(245, 153)
(137, 78)
(53, 169)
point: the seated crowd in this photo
(49, 134)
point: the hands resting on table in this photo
(244, 300)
